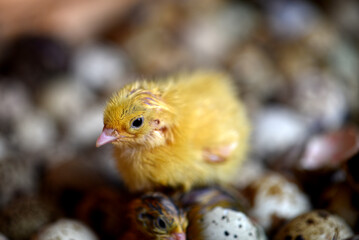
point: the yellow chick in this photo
(182, 131)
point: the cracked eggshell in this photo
(66, 229)
(221, 223)
(331, 149)
(315, 225)
(273, 197)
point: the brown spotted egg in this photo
(315, 225)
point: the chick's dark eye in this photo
(137, 122)
(161, 224)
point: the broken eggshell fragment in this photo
(330, 150)
(275, 199)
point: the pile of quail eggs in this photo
(296, 67)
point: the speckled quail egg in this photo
(99, 66)
(221, 223)
(291, 19)
(23, 216)
(66, 229)
(17, 177)
(309, 87)
(84, 129)
(36, 132)
(2, 237)
(315, 225)
(13, 94)
(210, 35)
(273, 197)
(65, 99)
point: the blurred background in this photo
(296, 64)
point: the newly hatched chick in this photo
(179, 132)
(155, 217)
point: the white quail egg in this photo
(221, 223)
(66, 229)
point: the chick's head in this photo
(157, 217)
(136, 117)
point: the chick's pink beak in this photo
(105, 137)
(178, 236)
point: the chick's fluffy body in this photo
(195, 131)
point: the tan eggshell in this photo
(315, 225)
